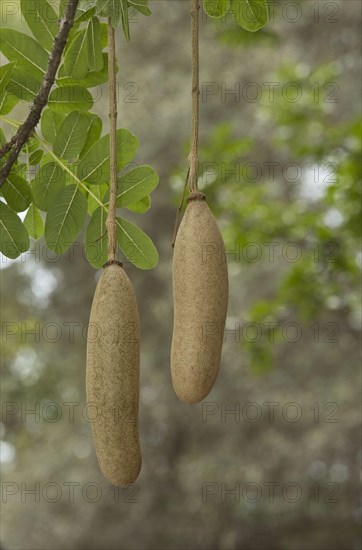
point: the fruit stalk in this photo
(193, 157)
(111, 218)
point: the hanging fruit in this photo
(113, 355)
(200, 277)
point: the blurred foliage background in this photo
(281, 168)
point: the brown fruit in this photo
(200, 289)
(113, 359)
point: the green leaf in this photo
(17, 192)
(23, 85)
(125, 19)
(34, 222)
(48, 182)
(14, 238)
(216, 8)
(79, 14)
(86, 11)
(21, 169)
(71, 136)
(65, 219)
(136, 245)
(96, 240)
(42, 21)
(140, 206)
(94, 46)
(251, 15)
(66, 99)
(99, 192)
(110, 8)
(91, 79)
(141, 6)
(36, 157)
(31, 145)
(104, 35)
(86, 4)
(94, 166)
(50, 124)
(93, 133)
(76, 57)
(8, 104)
(3, 140)
(138, 3)
(5, 76)
(47, 157)
(135, 184)
(26, 51)
(62, 6)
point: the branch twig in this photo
(111, 218)
(25, 130)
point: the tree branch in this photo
(41, 100)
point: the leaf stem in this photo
(69, 171)
(11, 121)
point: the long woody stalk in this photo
(195, 122)
(111, 218)
(193, 171)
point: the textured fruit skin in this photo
(113, 361)
(200, 291)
